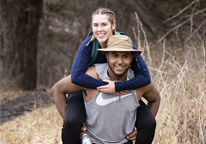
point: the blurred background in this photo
(39, 40)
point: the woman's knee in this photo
(71, 131)
(150, 124)
(146, 123)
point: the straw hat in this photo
(120, 43)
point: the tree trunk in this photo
(20, 26)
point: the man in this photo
(111, 118)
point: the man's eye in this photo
(114, 55)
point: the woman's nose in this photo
(99, 28)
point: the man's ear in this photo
(132, 57)
(107, 57)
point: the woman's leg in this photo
(75, 116)
(129, 142)
(145, 124)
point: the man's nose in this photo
(119, 61)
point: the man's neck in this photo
(115, 77)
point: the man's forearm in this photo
(154, 107)
(60, 101)
(61, 104)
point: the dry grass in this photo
(182, 115)
(41, 126)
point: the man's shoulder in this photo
(101, 70)
(91, 71)
(148, 88)
(98, 71)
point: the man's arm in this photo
(59, 91)
(154, 103)
(151, 94)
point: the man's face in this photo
(119, 63)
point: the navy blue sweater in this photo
(81, 62)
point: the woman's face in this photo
(102, 28)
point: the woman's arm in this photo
(80, 66)
(141, 79)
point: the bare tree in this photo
(19, 26)
(66, 23)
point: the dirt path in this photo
(24, 103)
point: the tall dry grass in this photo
(178, 70)
(182, 115)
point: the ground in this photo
(14, 104)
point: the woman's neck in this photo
(103, 45)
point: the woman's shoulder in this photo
(85, 42)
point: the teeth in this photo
(100, 34)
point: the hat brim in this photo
(134, 52)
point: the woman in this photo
(103, 26)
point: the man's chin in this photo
(119, 74)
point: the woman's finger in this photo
(103, 87)
(106, 80)
(110, 88)
(122, 93)
(103, 90)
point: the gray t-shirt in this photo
(111, 118)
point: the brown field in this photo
(179, 75)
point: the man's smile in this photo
(119, 68)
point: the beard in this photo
(117, 75)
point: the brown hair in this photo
(109, 13)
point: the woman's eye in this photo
(104, 24)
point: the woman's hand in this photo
(110, 88)
(132, 136)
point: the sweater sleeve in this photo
(141, 79)
(80, 66)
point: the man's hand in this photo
(132, 136)
(110, 88)
(83, 129)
